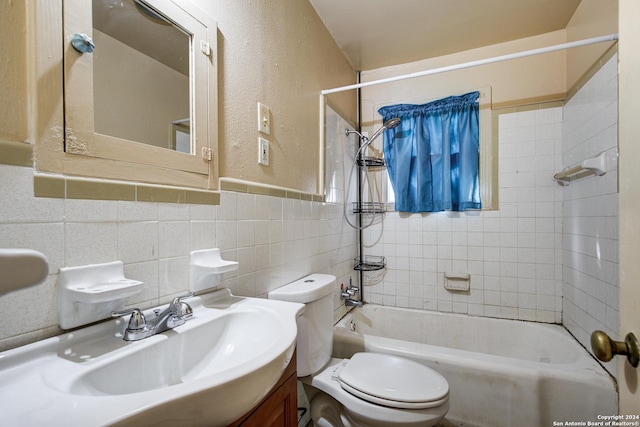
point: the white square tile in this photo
(137, 211)
(18, 204)
(262, 207)
(202, 212)
(203, 235)
(173, 212)
(507, 121)
(174, 239)
(226, 235)
(39, 313)
(138, 241)
(246, 206)
(227, 209)
(246, 260)
(147, 272)
(246, 234)
(173, 277)
(90, 211)
(90, 243)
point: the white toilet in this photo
(370, 389)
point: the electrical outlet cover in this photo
(263, 151)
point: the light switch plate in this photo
(264, 119)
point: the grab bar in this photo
(596, 165)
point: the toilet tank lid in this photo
(307, 289)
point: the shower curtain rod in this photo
(607, 38)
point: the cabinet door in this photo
(138, 108)
(279, 409)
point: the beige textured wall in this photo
(514, 82)
(13, 72)
(278, 53)
(593, 18)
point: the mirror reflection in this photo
(141, 75)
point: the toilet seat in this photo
(392, 381)
(364, 412)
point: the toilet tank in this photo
(315, 325)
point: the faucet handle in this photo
(176, 300)
(136, 321)
(182, 308)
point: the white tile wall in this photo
(513, 254)
(549, 254)
(590, 237)
(275, 240)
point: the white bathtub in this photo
(500, 372)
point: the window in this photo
(486, 173)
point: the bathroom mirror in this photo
(140, 74)
(144, 94)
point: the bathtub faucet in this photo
(352, 302)
(349, 295)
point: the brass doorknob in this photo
(605, 348)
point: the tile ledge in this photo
(251, 187)
(93, 189)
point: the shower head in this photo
(389, 124)
(392, 123)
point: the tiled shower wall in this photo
(513, 254)
(590, 229)
(548, 254)
(276, 240)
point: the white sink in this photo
(209, 371)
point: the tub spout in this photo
(352, 303)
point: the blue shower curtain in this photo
(432, 156)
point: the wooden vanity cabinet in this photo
(280, 407)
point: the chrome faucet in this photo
(352, 302)
(349, 296)
(139, 328)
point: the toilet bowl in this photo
(373, 389)
(368, 390)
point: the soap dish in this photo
(91, 292)
(457, 281)
(105, 291)
(206, 267)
